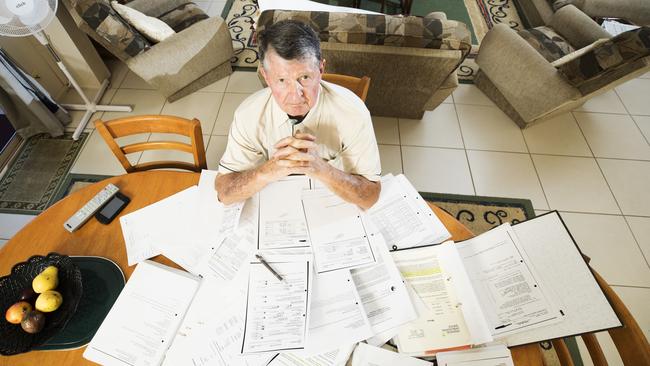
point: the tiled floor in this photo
(593, 165)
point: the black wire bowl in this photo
(13, 339)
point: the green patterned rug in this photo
(479, 15)
(34, 177)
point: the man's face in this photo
(294, 83)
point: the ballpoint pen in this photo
(266, 264)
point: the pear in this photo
(48, 301)
(47, 280)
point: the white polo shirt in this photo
(339, 120)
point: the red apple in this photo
(17, 312)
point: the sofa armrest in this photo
(636, 11)
(577, 27)
(523, 76)
(195, 50)
(155, 8)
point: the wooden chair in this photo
(358, 85)
(121, 127)
(631, 343)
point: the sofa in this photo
(197, 55)
(538, 73)
(411, 61)
(539, 12)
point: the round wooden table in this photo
(46, 234)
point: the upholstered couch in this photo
(535, 74)
(411, 61)
(196, 56)
(539, 12)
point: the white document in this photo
(615, 28)
(403, 217)
(452, 317)
(497, 355)
(367, 355)
(384, 296)
(336, 357)
(216, 218)
(510, 292)
(281, 218)
(277, 312)
(145, 317)
(338, 237)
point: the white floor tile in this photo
(202, 106)
(604, 103)
(488, 128)
(608, 241)
(613, 136)
(470, 94)
(437, 170)
(170, 155)
(97, 158)
(216, 148)
(78, 115)
(644, 125)
(645, 76)
(143, 102)
(244, 82)
(634, 94)
(437, 128)
(449, 99)
(391, 159)
(386, 130)
(506, 175)
(230, 103)
(216, 9)
(540, 212)
(559, 135)
(608, 347)
(133, 81)
(203, 5)
(10, 224)
(629, 181)
(218, 86)
(641, 229)
(636, 300)
(574, 184)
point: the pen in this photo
(266, 264)
(502, 326)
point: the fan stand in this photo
(89, 106)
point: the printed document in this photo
(142, 323)
(367, 355)
(403, 217)
(510, 292)
(277, 311)
(336, 357)
(281, 218)
(497, 355)
(338, 236)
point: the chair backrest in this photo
(358, 85)
(121, 127)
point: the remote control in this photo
(89, 209)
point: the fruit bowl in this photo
(13, 339)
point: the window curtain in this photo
(28, 106)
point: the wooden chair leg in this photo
(595, 351)
(562, 352)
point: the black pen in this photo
(503, 326)
(266, 264)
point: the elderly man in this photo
(299, 125)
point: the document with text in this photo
(495, 355)
(281, 218)
(368, 355)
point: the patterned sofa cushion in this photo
(607, 57)
(397, 31)
(183, 16)
(117, 34)
(547, 42)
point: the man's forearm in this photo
(352, 188)
(239, 186)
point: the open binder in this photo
(517, 284)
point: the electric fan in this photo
(20, 18)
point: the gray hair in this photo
(291, 40)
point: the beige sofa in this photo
(411, 61)
(196, 56)
(539, 12)
(538, 73)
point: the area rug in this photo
(36, 174)
(479, 15)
